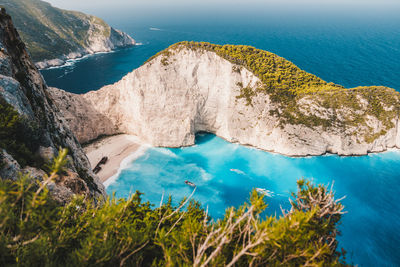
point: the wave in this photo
(72, 62)
(265, 192)
(205, 176)
(197, 173)
(238, 171)
(125, 163)
(154, 29)
(167, 152)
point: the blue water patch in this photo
(351, 51)
(226, 173)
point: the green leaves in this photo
(18, 135)
(36, 231)
(58, 163)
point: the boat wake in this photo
(265, 192)
(238, 171)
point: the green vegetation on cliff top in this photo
(276, 73)
(287, 84)
(51, 32)
(36, 231)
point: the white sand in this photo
(116, 148)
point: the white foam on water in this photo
(72, 62)
(204, 174)
(238, 171)
(265, 192)
(167, 152)
(125, 163)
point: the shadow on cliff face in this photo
(26, 94)
(83, 119)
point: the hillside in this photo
(53, 35)
(32, 131)
(241, 94)
(52, 210)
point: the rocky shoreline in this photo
(117, 39)
(61, 62)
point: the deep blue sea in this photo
(350, 49)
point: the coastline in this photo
(120, 150)
(70, 60)
(123, 149)
(65, 62)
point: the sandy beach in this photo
(116, 148)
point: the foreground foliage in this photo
(18, 135)
(36, 231)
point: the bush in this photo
(34, 231)
(18, 135)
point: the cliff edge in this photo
(31, 128)
(241, 94)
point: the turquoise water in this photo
(351, 47)
(225, 173)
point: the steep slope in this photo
(244, 95)
(31, 128)
(53, 35)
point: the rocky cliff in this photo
(53, 35)
(31, 128)
(241, 94)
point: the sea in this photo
(352, 47)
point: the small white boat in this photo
(190, 183)
(265, 192)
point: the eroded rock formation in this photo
(177, 94)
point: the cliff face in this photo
(24, 95)
(54, 35)
(184, 90)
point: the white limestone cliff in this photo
(169, 99)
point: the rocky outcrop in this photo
(9, 168)
(22, 87)
(184, 91)
(95, 43)
(54, 35)
(76, 108)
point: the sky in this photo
(144, 10)
(93, 4)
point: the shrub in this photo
(18, 135)
(34, 231)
